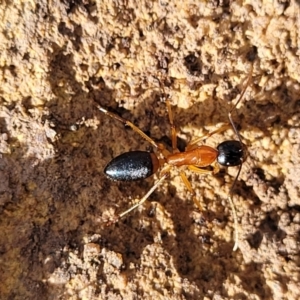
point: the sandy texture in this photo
(59, 60)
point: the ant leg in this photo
(194, 142)
(173, 129)
(154, 187)
(189, 187)
(198, 170)
(135, 128)
(171, 120)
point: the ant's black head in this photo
(231, 153)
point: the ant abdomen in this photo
(132, 165)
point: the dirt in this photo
(59, 61)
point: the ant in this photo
(137, 165)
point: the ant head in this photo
(231, 153)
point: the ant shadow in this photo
(71, 192)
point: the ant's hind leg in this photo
(141, 201)
(135, 128)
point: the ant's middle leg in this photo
(198, 170)
(173, 128)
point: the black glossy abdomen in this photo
(130, 166)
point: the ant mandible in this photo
(137, 165)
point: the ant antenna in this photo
(238, 101)
(233, 210)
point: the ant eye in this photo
(231, 153)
